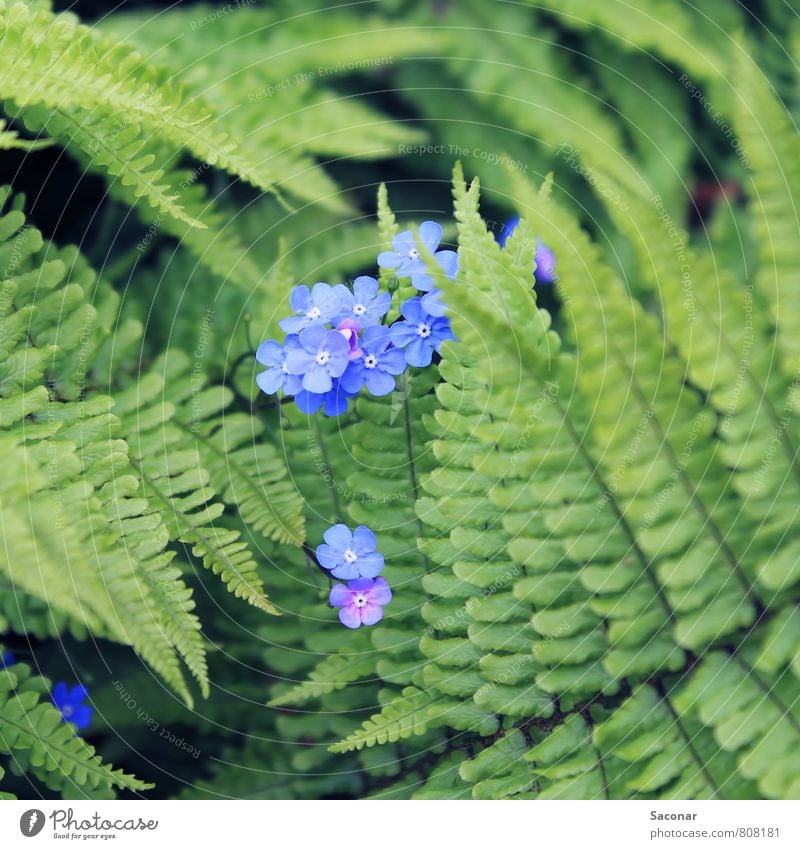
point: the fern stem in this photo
(695, 755)
(690, 488)
(623, 522)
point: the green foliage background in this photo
(588, 508)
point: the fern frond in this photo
(33, 732)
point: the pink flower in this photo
(349, 329)
(361, 602)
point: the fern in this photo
(33, 733)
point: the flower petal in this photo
(317, 379)
(403, 242)
(300, 299)
(403, 333)
(370, 565)
(60, 694)
(308, 402)
(82, 717)
(338, 536)
(299, 361)
(393, 361)
(389, 259)
(412, 310)
(352, 378)
(340, 595)
(364, 540)
(381, 593)
(378, 382)
(371, 614)
(448, 260)
(365, 289)
(350, 617)
(346, 571)
(270, 353)
(430, 234)
(270, 381)
(328, 556)
(419, 353)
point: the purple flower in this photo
(273, 355)
(361, 602)
(6, 660)
(420, 334)
(334, 402)
(407, 262)
(545, 272)
(378, 365)
(365, 304)
(545, 259)
(70, 702)
(349, 555)
(349, 328)
(321, 356)
(315, 307)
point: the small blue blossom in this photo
(406, 261)
(420, 334)
(361, 602)
(321, 356)
(506, 230)
(365, 304)
(273, 355)
(349, 555)
(544, 257)
(6, 660)
(432, 303)
(334, 402)
(70, 702)
(315, 307)
(379, 364)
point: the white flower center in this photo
(322, 358)
(284, 369)
(423, 330)
(314, 313)
(359, 309)
(413, 254)
(350, 556)
(370, 361)
(360, 600)
(67, 710)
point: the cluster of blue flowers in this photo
(353, 557)
(338, 342)
(70, 701)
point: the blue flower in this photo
(420, 334)
(316, 307)
(273, 355)
(365, 304)
(407, 262)
(378, 365)
(6, 660)
(321, 356)
(70, 702)
(334, 402)
(545, 259)
(506, 230)
(349, 555)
